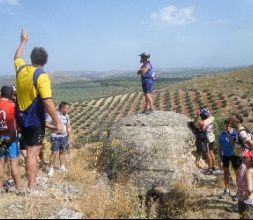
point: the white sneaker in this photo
(35, 193)
(62, 169)
(51, 172)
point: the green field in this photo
(87, 90)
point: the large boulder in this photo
(153, 150)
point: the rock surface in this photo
(66, 213)
(154, 150)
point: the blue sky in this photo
(109, 34)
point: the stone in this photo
(153, 150)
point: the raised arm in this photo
(23, 40)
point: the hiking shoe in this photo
(35, 193)
(150, 111)
(209, 172)
(62, 169)
(20, 192)
(248, 201)
(8, 184)
(51, 172)
(226, 194)
(145, 111)
(233, 208)
(236, 197)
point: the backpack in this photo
(249, 131)
(6, 136)
(150, 74)
(203, 136)
(34, 115)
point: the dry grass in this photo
(100, 198)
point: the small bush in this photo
(231, 95)
(224, 103)
(245, 113)
(244, 96)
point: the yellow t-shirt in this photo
(26, 91)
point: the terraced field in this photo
(91, 119)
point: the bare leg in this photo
(226, 177)
(62, 158)
(24, 153)
(32, 166)
(147, 106)
(1, 172)
(249, 179)
(15, 173)
(209, 160)
(150, 100)
(212, 158)
(53, 159)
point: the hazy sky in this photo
(109, 34)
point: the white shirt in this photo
(64, 119)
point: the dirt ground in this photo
(84, 193)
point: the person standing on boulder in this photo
(148, 77)
(34, 97)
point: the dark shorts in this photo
(236, 162)
(147, 85)
(22, 144)
(59, 144)
(207, 147)
(33, 136)
(245, 211)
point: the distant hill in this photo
(165, 73)
(69, 76)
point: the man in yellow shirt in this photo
(34, 98)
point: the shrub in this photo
(224, 103)
(231, 95)
(245, 113)
(240, 107)
(244, 96)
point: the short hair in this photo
(226, 121)
(238, 117)
(63, 104)
(39, 56)
(7, 92)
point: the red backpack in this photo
(8, 130)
